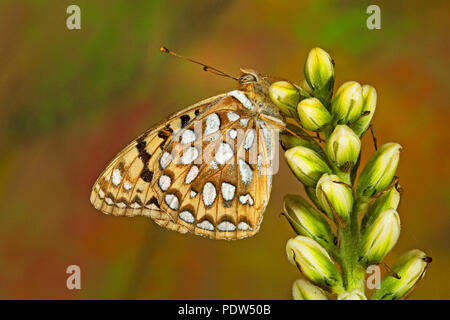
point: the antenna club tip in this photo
(163, 49)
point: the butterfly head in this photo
(251, 80)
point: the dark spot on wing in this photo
(163, 135)
(154, 201)
(146, 175)
(168, 128)
(137, 200)
(145, 156)
(123, 200)
(184, 120)
(140, 146)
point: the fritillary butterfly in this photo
(206, 170)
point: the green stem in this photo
(352, 271)
(327, 130)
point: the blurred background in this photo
(71, 99)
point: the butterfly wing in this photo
(123, 187)
(206, 171)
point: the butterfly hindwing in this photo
(213, 184)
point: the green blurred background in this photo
(70, 100)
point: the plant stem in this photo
(352, 271)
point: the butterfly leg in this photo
(303, 136)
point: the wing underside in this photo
(206, 171)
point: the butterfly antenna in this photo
(275, 77)
(205, 67)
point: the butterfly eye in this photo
(247, 78)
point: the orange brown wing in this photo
(206, 171)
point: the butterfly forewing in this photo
(129, 176)
(206, 171)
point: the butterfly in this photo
(205, 170)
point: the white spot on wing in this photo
(109, 201)
(249, 139)
(121, 205)
(164, 182)
(232, 133)
(259, 160)
(209, 194)
(245, 171)
(127, 185)
(246, 198)
(189, 155)
(242, 99)
(186, 216)
(224, 153)
(187, 137)
(116, 177)
(191, 175)
(193, 193)
(228, 191)
(172, 201)
(244, 121)
(166, 158)
(232, 116)
(226, 226)
(101, 194)
(152, 206)
(135, 205)
(206, 225)
(212, 123)
(244, 226)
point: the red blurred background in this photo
(71, 99)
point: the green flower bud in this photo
(354, 295)
(306, 221)
(346, 105)
(305, 86)
(369, 104)
(307, 165)
(313, 260)
(288, 140)
(343, 147)
(380, 237)
(388, 200)
(319, 73)
(285, 96)
(411, 267)
(313, 115)
(339, 195)
(305, 290)
(379, 170)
